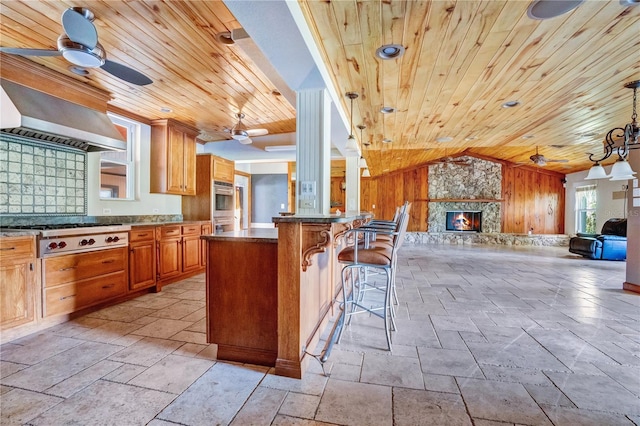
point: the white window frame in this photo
(583, 212)
(133, 138)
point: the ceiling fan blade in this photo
(79, 28)
(257, 132)
(125, 73)
(30, 52)
(246, 141)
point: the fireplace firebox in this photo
(464, 221)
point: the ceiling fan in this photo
(242, 134)
(540, 160)
(79, 45)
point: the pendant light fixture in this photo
(352, 145)
(619, 140)
(362, 163)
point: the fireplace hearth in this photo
(464, 221)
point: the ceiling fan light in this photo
(239, 134)
(622, 170)
(597, 172)
(245, 141)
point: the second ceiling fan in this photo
(242, 134)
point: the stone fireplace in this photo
(468, 185)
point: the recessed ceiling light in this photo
(528, 137)
(510, 104)
(390, 51)
(387, 110)
(630, 2)
(166, 109)
(386, 140)
(442, 139)
(225, 37)
(547, 9)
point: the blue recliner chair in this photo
(610, 244)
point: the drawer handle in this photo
(67, 297)
(68, 269)
(142, 235)
(106, 287)
(108, 261)
(7, 248)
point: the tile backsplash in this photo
(40, 179)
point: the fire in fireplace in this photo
(464, 221)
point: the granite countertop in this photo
(322, 218)
(185, 222)
(258, 235)
(20, 233)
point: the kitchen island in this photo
(270, 292)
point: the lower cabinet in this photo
(77, 281)
(142, 258)
(206, 230)
(179, 251)
(18, 281)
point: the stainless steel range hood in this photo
(32, 114)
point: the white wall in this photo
(144, 203)
(268, 168)
(607, 207)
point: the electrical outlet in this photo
(282, 206)
(307, 204)
(156, 210)
(106, 211)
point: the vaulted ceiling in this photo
(463, 60)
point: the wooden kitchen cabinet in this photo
(223, 170)
(17, 281)
(201, 207)
(169, 253)
(142, 258)
(77, 281)
(191, 247)
(173, 158)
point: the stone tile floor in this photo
(487, 335)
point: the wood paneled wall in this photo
(533, 198)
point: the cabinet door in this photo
(142, 265)
(169, 257)
(175, 161)
(223, 170)
(189, 165)
(190, 253)
(17, 286)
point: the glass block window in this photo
(41, 179)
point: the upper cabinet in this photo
(223, 169)
(173, 158)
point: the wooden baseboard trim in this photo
(246, 355)
(631, 287)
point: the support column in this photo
(352, 201)
(313, 155)
(632, 281)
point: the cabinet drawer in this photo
(142, 234)
(191, 229)
(170, 231)
(74, 267)
(71, 297)
(17, 246)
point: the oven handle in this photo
(223, 190)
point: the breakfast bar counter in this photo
(270, 292)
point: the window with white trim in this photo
(586, 209)
(117, 167)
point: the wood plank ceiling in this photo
(463, 60)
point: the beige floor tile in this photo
(190, 349)
(190, 336)
(392, 370)
(19, 406)
(179, 310)
(261, 408)
(162, 328)
(215, 398)
(146, 352)
(173, 374)
(60, 367)
(109, 332)
(124, 373)
(425, 408)
(350, 403)
(300, 405)
(79, 381)
(107, 403)
(8, 368)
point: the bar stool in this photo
(365, 253)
